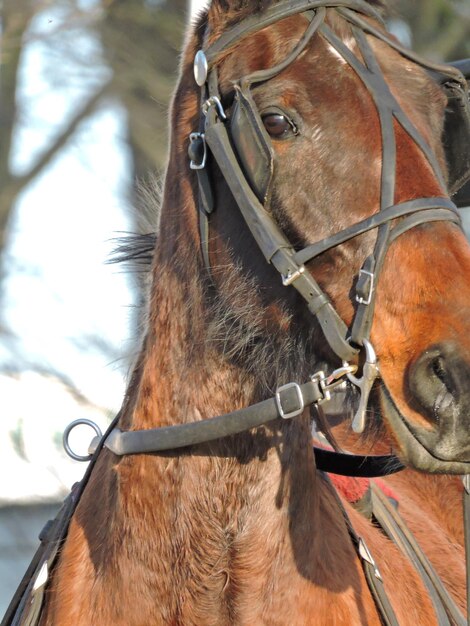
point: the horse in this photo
(315, 143)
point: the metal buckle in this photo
(321, 379)
(367, 300)
(193, 137)
(300, 398)
(288, 279)
(370, 372)
(329, 383)
(214, 101)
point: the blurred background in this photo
(84, 91)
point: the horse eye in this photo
(278, 125)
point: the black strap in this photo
(25, 608)
(466, 527)
(183, 435)
(356, 465)
(371, 571)
(417, 207)
(452, 70)
(396, 529)
(274, 245)
(276, 12)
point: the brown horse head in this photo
(325, 156)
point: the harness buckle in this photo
(370, 372)
(367, 283)
(329, 383)
(288, 279)
(321, 381)
(196, 142)
(300, 398)
(214, 101)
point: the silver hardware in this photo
(329, 383)
(367, 300)
(335, 379)
(288, 279)
(367, 556)
(192, 164)
(68, 430)
(200, 68)
(320, 378)
(300, 398)
(370, 372)
(41, 578)
(214, 101)
(94, 445)
(466, 482)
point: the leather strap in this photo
(274, 245)
(466, 527)
(394, 526)
(183, 435)
(276, 12)
(398, 210)
(356, 465)
(25, 608)
(371, 571)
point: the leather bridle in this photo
(224, 140)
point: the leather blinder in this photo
(457, 136)
(252, 144)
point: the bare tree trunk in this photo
(142, 43)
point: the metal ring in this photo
(68, 430)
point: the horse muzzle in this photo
(438, 388)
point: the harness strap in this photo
(371, 571)
(466, 527)
(290, 401)
(420, 207)
(356, 465)
(395, 528)
(274, 245)
(25, 608)
(274, 13)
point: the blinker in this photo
(200, 68)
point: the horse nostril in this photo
(431, 383)
(439, 370)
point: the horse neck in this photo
(186, 375)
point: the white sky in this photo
(59, 288)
